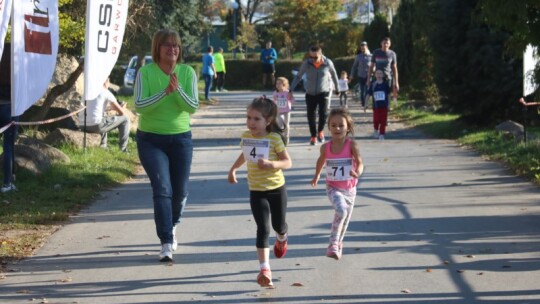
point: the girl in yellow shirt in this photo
(266, 157)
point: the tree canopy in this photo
(305, 21)
(520, 18)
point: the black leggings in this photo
(269, 203)
(312, 103)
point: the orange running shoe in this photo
(280, 248)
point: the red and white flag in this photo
(105, 27)
(5, 12)
(34, 44)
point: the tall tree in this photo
(520, 18)
(473, 74)
(72, 27)
(410, 40)
(376, 31)
(306, 20)
(147, 16)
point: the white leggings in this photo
(343, 202)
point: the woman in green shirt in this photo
(165, 97)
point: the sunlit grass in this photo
(521, 158)
(44, 201)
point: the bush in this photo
(247, 74)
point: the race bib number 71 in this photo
(254, 149)
(338, 169)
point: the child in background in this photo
(380, 91)
(284, 103)
(343, 87)
(344, 165)
(266, 157)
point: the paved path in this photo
(433, 223)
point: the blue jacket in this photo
(269, 56)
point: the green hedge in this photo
(247, 74)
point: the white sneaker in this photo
(223, 90)
(165, 255)
(174, 241)
(7, 188)
(375, 134)
(217, 90)
(381, 137)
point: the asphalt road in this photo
(433, 222)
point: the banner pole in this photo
(12, 151)
(525, 124)
(84, 127)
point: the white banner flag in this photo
(5, 12)
(34, 46)
(530, 59)
(105, 27)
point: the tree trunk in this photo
(57, 91)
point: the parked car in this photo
(131, 70)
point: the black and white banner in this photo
(105, 27)
(530, 60)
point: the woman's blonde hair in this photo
(160, 38)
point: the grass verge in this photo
(522, 158)
(43, 203)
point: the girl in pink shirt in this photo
(284, 102)
(344, 165)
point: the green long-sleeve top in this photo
(219, 62)
(160, 113)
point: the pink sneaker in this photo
(333, 251)
(280, 248)
(265, 278)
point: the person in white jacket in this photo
(97, 122)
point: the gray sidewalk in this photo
(433, 223)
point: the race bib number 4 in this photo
(339, 169)
(254, 149)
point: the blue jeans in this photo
(167, 162)
(362, 81)
(207, 84)
(9, 141)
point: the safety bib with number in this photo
(339, 169)
(379, 95)
(282, 104)
(254, 149)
